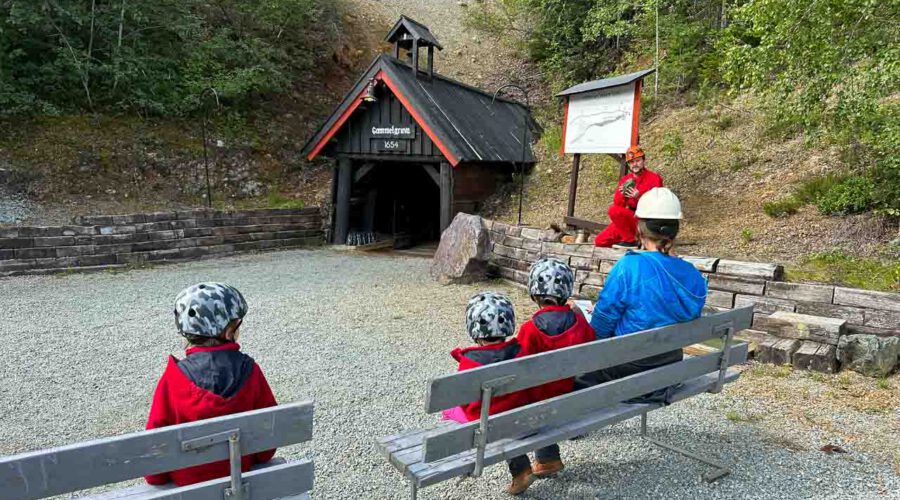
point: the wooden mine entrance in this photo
(413, 148)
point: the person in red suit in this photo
(213, 379)
(622, 230)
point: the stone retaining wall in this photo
(803, 307)
(106, 241)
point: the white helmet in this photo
(659, 203)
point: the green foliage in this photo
(746, 235)
(782, 207)
(277, 200)
(151, 56)
(673, 144)
(552, 138)
(853, 195)
(838, 267)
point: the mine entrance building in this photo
(412, 148)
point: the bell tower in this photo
(412, 36)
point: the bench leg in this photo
(720, 469)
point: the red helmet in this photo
(634, 152)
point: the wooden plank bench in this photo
(80, 466)
(430, 456)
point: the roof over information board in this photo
(605, 83)
(458, 118)
(415, 30)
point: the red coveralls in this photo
(623, 224)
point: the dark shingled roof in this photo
(415, 28)
(461, 116)
(605, 83)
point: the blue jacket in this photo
(647, 290)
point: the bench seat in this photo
(405, 451)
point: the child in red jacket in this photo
(490, 321)
(215, 378)
(554, 326)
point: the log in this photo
(765, 305)
(759, 270)
(800, 291)
(777, 351)
(853, 315)
(815, 357)
(720, 299)
(867, 298)
(737, 285)
(803, 327)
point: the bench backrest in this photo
(466, 386)
(75, 467)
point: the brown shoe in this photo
(520, 482)
(547, 469)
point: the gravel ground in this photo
(360, 335)
(14, 208)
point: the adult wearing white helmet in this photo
(650, 288)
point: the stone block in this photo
(40, 231)
(816, 357)
(777, 351)
(500, 227)
(510, 241)
(54, 241)
(7, 254)
(78, 230)
(581, 263)
(867, 298)
(868, 354)
(871, 330)
(56, 263)
(532, 233)
(803, 327)
(853, 315)
(531, 245)
(755, 336)
(512, 253)
(160, 216)
(610, 254)
(882, 319)
(514, 231)
(517, 265)
(705, 264)
(74, 251)
(736, 285)
(800, 291)
(8, 243)
(549, 247)
(590, 291)
(9, 232)
(720, 299)
(758, 270)
(579, 249)
(7, 266)
(97, 260)
(35, 253)
(765, 305)
(193, 232)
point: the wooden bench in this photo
(430, 456)
(75, 467)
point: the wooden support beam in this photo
(363, 171)
(342, 212)
(573, 184)
(333, 202)
(433, 173)
(415, 58)
(446, 186)
(431, 61)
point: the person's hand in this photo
(631, 192)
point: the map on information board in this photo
(600, 121)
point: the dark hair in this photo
(545, 300)
(201, 341)
(493, 339)
(660, 231)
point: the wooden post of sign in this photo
(573, 183)
(446, 194)
(342, 213)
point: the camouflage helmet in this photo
(490, 315)
(551, 277)
(205, 309)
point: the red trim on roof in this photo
(562, 144)
(418, 118)
(338, 124)
(636, 117)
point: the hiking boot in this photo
(520, 482)
(547, 469)
(627, 245)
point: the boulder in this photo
(868, 354)
(463, 253)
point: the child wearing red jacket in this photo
(215, 378)
(554, 326)
(490, 321)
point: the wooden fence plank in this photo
(79, 466)
(271, 483)
(464, 387)
(565, 408)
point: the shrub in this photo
(782, 207)
(853, 195)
